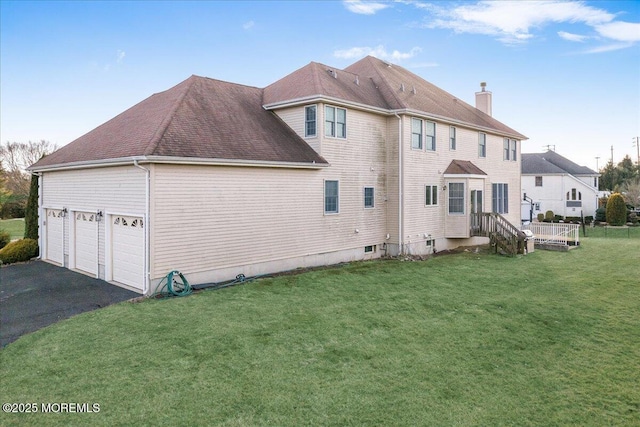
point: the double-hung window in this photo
(335, 122)
(430, 136)
(514, 149)
(482, 145)
(310, 121)
(416, 134)
(431, 195)
(538, 181)
(506, 150)
(452, 138)
(500, 198)
(368, 197)
(510, 149)
(456, 198)
(331, 197)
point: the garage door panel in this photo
(54, 233)
(86, 242)
(128, 250)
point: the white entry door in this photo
(86, 242)
(127, 250)
(54, 234)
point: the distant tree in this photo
(5, 193)
(616, 210)
(631, 192)
(31, 211)
(15, 157)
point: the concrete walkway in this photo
(36, 294)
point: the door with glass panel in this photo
(476, 210)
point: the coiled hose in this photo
(174, 285)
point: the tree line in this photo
(622, 178)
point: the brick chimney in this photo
(483, 99)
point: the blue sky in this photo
(562, 73)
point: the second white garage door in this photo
(86, 242)
(127, 246)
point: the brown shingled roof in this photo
(200, 118)
(463, 167)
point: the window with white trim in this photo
(416, 134)
(456, 198)
(310, 123)
(510, 149)
(482, 145)
(500, 198)
(506, 149)
(430, 136)
(538, 181)
(335, 122)
(431, 195)
(369, 197)
(452, 138)
(331, 197)
(514, 150)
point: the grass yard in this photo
(471, 339)
(15, 227)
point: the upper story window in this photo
(452, 138)
(510, 149)
(456, 198)
(430, 136)
(482, 145)
(574, 195)
(335, 122)
(538, 181)
(416, 134)
(310, 121)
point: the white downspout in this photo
(147, 258)
(400, 187)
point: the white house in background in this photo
(323, 166)
(555, 183)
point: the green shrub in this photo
(19, 251)
(633, 218)
(549, 215)
(540, 217)
(616, 210)
(5, 238)
(588, 219)
(601, 215)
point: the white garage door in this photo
(127, 250)
(54, 231)
(86, 244)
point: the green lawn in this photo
(15, 227)
(471, 339)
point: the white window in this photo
(507, 150)
(431, 195)
(456, 198)
(368, 197)
(500, 198)
(416, 134)
(335, 122)
(482, 145)
(310, 121)
(510, 149)
(430, 136)
(331, 197)
(452, 138)
(514, 150)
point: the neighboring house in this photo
(323, 166)
(555, 183)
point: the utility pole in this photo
(612, 154)
(637, 143)
(597, 170)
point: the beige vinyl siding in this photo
(295, 119)
(109, 189)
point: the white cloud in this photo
(609, 48)
(514, 21)
(248, 25)
(572, 37)
(364, 7)
(620, 31)
(378, 52)
(120, 57)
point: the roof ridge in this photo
(164, 125)
(386, 82)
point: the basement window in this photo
(369, 249)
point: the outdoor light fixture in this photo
(99, 216)
(64, 212)
(444, 187)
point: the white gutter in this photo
(400, 187)
(147, 240)
(124, 161)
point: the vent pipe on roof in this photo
(401, 87)
(413, 90)
(484, 99)
(357, 81)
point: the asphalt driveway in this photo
(36, 294)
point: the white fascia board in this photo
(178, 160)
(326, 100)
(463, 176)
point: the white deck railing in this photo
(554, 233)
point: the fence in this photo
(554, 233)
